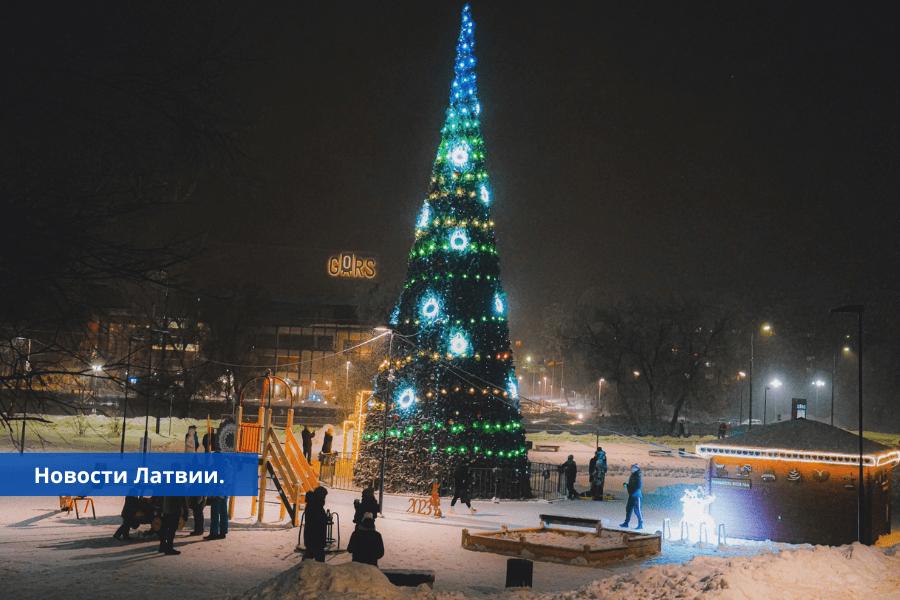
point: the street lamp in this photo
(860, 506)
(347, 380)
(817, 384)
(768, 329)
(775, 384)
(387, 403)
(528, 360)
(741, 375)
(599, 400)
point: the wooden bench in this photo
(409, 578)
(545, 448)
(574, 521)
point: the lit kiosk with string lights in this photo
(448, 390)
(797, 482)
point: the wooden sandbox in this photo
(593, 548)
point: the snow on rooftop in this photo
(802, 435)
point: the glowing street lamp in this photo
(860, 506)
(775, 384)
(817, 384)
(766, 327)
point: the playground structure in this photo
(281, 462)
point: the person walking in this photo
(173, 508)
(365, 505)
(191, 441)
(218, 517)
(634, 487)
(306, 437)
(315, 525)
(366, 545)
(462, 480)
(197, 504)
(570, 469)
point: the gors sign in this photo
(351, 265)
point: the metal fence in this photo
(539, 480)
(335, 471)
(547, 482)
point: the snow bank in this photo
(311, 579)
(821, 573)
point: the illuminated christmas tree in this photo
(451, 389)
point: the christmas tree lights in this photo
(450, 385)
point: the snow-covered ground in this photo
(48, 554)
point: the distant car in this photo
(755, 422)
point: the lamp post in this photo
(775, 384)
(817, 384)
(528, 360)
(347, 380)
(833, 369)
(860, 504)
(387, 405)
(599, 400)
(766, 328)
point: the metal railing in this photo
(335, 471)
(547, 483)
(539, 480)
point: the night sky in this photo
(634, 146)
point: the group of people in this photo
(306, 438)
(173, 509)
(597, 468)
(366, 544)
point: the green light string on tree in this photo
(453, 396)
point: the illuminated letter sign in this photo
(351, 265)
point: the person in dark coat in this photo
(211, 442)
(326, 441)
(597, 472)
(128, 520)
(306, 437)
(462, 479)
(366, 504)
(173, 508)
(366, 545)
(571, 471)
(634, 487)
(315, 525)
(197, 504)
(723, 429)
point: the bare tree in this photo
(113, 113)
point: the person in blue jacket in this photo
(635, 494)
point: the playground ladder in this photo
(290, 472)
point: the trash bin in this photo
(519, 572)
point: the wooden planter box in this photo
(616, 545)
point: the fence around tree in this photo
(540, 480)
